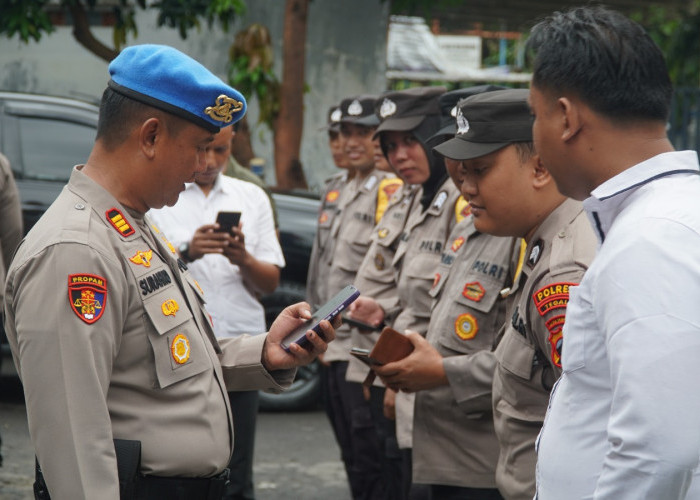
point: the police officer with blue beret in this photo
(125, 383)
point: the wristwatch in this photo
(184, 250)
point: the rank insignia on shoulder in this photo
(119, 222)
(474, 291)
(535, 254)
(466, 326)
(440, 199)
(170, 307)
(331, 196)
(457, 244)
(180, 349)
(87, 294)
(142, 258)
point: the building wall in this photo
(346, 54)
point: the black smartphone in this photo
(363, 355)
(227, 221)
(327, 311)
(362, 325)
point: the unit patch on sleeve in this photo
(87, 294)
(466, 326)
(555, 324)
(119, 222)
(550, 297)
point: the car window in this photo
(50, 148)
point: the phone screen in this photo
(227, 221)
(327, 311)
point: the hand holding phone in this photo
(328, 311)
(364, 356)
(227, 221)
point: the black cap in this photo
(359, 110)
(404, 110)
(488, 122)
(448, 106)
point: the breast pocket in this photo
(178, 346)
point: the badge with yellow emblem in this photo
(142, 258)
(331, 196)
(87, 294)
(466, 326)
(180, 349)
(170, 307)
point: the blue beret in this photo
(167, 79)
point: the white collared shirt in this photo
(233, 307)
(624, 418)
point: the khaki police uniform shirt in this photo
(322, 249)
(375, 277)
(111, 339)
(529, 352)
(415, 263)
(454, 442)
(10, 219)
(351, 232)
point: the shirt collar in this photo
(218, 186)
(606, 201)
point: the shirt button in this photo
(79, 206)
(562, 234)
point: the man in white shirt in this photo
(624, 418)
(233, 269)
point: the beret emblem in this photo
(355, 108)
(224, 109)
(388, 108)
(462, 123)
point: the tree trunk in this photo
(290, 121)
(83, 35)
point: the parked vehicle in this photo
(44, 136)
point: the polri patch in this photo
(119, 222)
(555, 326)
(87, 294)
(466, 326)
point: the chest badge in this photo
(473, 291)
(379, 262)
(466, 326)
(180, 349)
(87, 294)
(170, 307)
(142, 258)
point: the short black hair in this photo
(119, 114)
(606, 59)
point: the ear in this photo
(541, 176)
(571, 118)
(150, 134)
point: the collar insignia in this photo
(180, 349)
(117, 219)
(387, 108)
(462, 123)
(142, 258)
(457, 244)
(331, 196)
(355, 108)
(87, 294)
(224, 109)
(440, 200)
(383, 232)
(535, 254)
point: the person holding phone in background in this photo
(233, 268)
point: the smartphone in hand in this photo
(327, 311)
(363, 355)
(227, 221)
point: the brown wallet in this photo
(391, 346)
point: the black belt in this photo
(181, 488)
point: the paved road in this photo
(296, 454)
